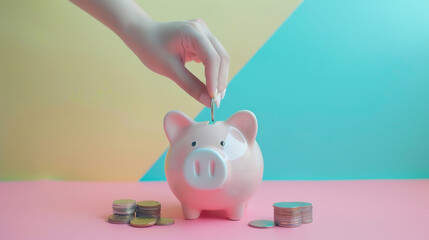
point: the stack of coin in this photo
(287, 214)
(123, 211)
(148, 209)
(306, 212)
(148, 213)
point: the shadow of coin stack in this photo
(292, 214)
(123, 211)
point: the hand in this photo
(166, 47)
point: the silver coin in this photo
(212, 108)
(149, 216)
(124, 209)
(143, 222)
(261, 224)
(164, 221)
(304, 204)
(149, 204)
(119, 219)
(287, 206)
(149, 210)
(287, 219)
(124, 206)
(288, 225)
(288, 215)
(144, 212)
(124, 202)
(123, 212)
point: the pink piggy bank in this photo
(213, 166)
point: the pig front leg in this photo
(236, 212)
(190, 213)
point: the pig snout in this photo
(205, 169)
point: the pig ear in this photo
(174, 123)
(245, 121)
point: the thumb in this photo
(189, 82)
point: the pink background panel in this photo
(373, 209)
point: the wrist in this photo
(133, 21)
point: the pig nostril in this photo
(197, 168)
(212, 168)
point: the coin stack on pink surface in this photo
(292, 214)
(306, 212)
(287, 214)
(123, 211)
(147, 213)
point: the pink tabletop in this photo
(377, 209)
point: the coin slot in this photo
(212, 168)
(197, 168)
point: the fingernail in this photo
(223, 93)
(218, 100)
(215, 93)
(205, 99)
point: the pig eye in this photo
(222, 143)
(194, 144)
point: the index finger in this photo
(210, 59)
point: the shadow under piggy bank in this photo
(175, 212)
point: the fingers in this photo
(188, 82)
(224, 65)
(200, 45)
(209, 57)
(224, 61)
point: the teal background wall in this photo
(341, 91)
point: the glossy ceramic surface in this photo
(213, 166)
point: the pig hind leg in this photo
(190, 213)
(236, 212)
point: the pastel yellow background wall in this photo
(77, 104)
